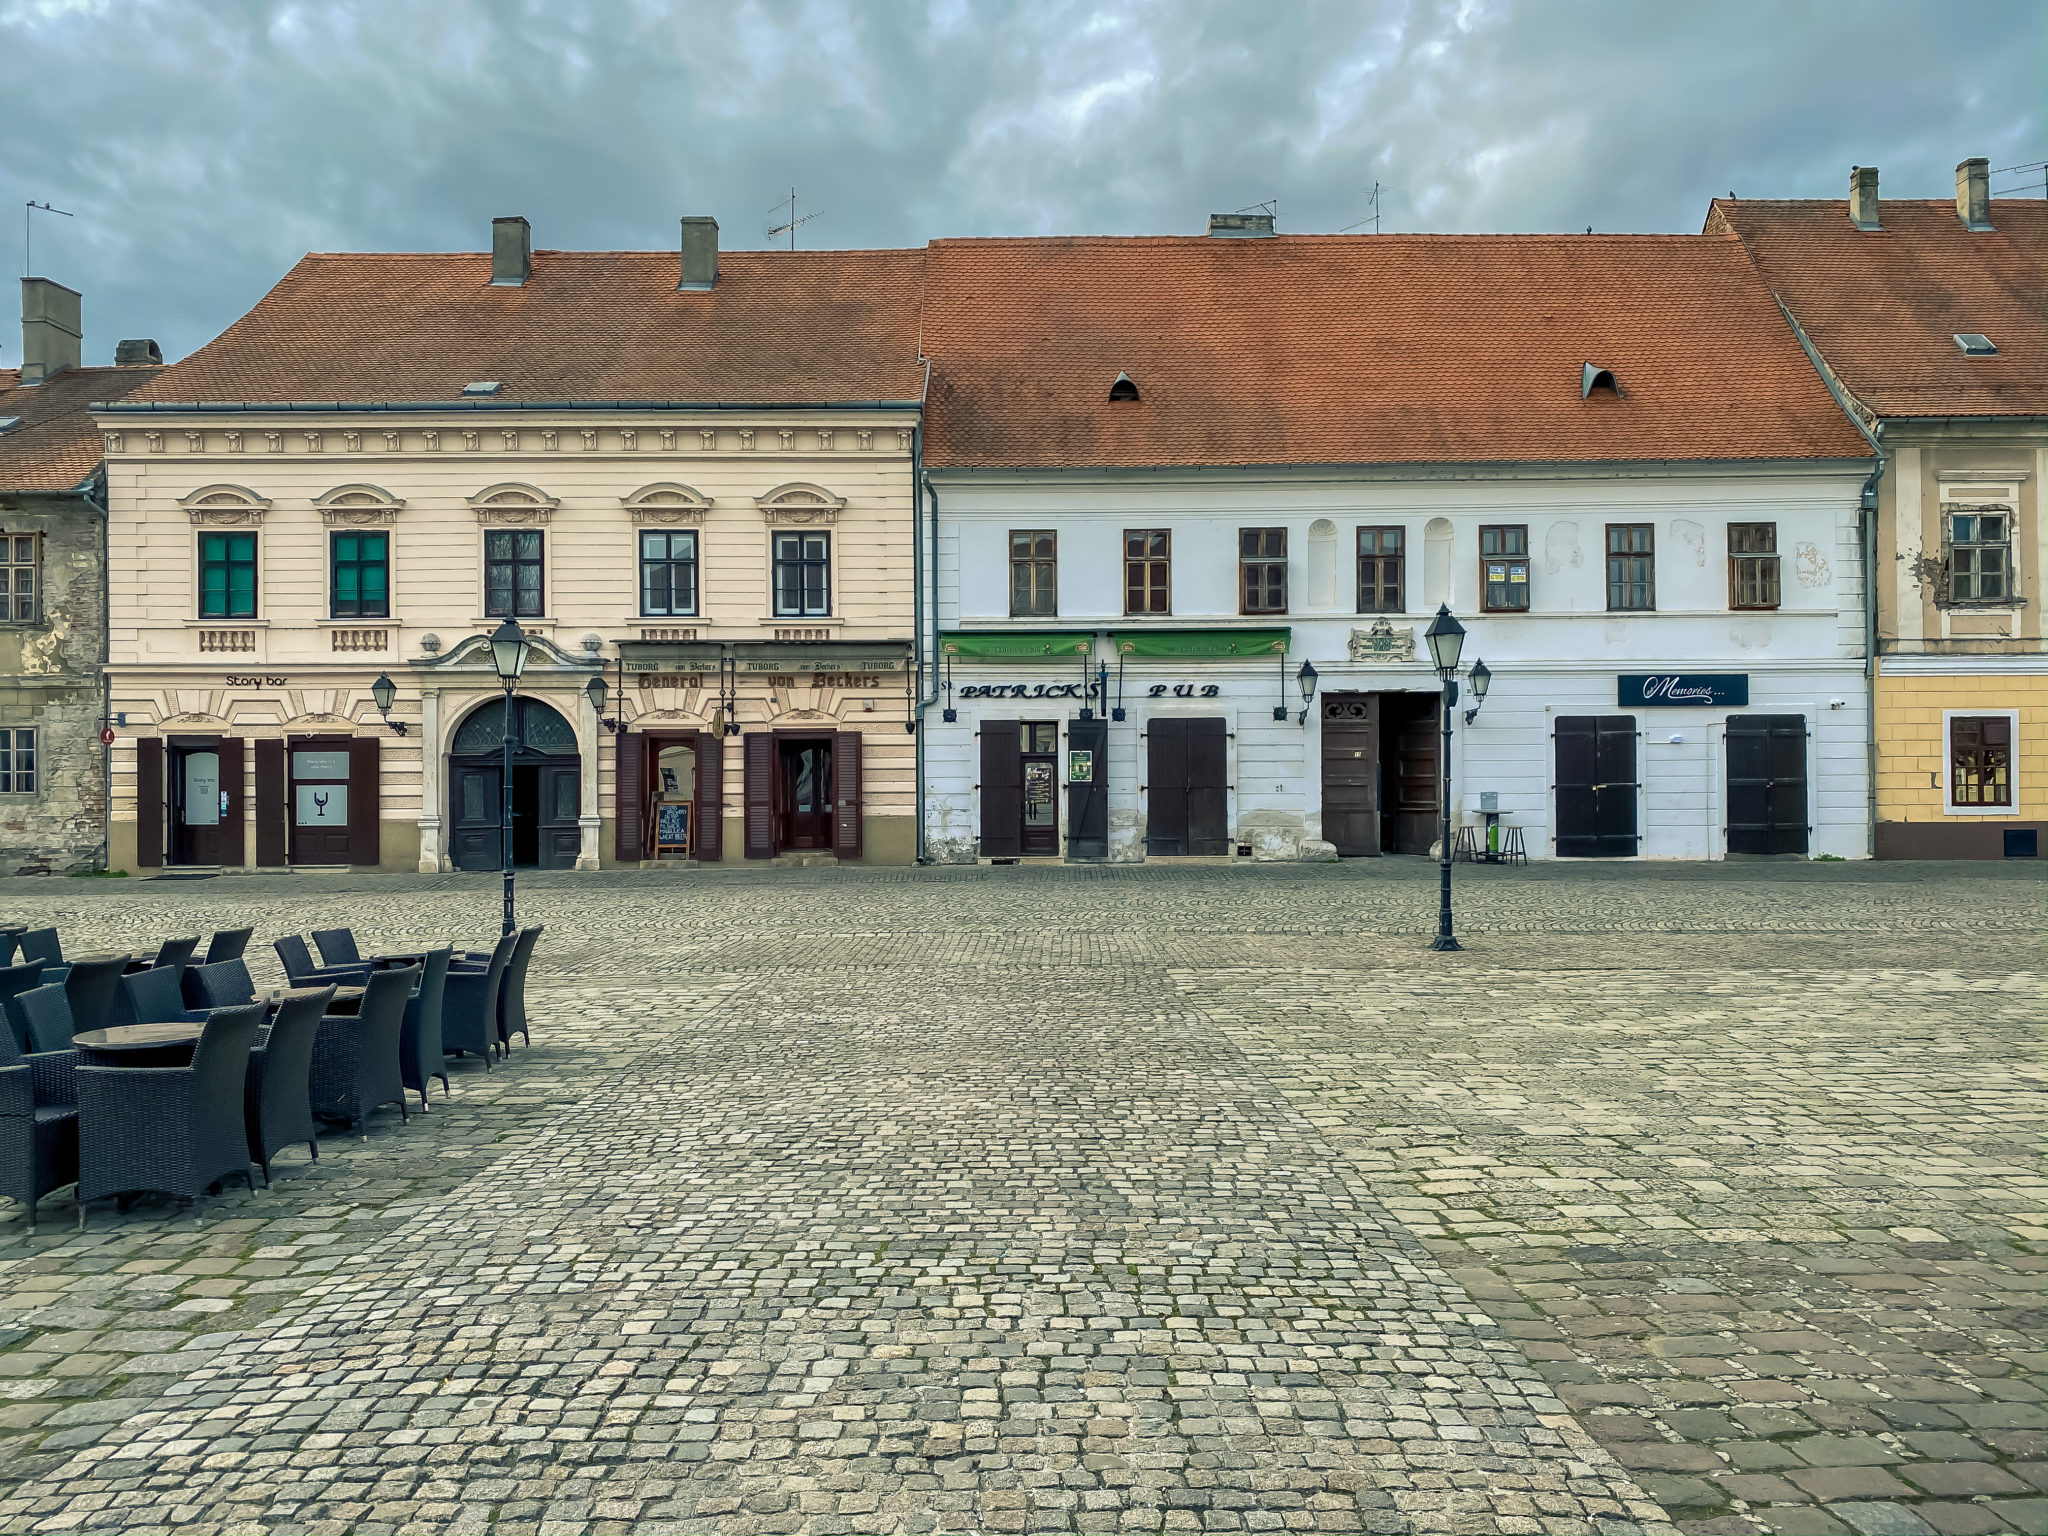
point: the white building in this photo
(1165, 474)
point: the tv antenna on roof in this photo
(792, 224)
(1373, 218)
(34, 207)
(1270, 208)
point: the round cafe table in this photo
(138, 1045)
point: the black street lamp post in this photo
(509, 649)
(1446, 637)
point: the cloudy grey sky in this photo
(202, 147)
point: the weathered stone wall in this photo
(49, 680)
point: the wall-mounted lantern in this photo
(384, 694)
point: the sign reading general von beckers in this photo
(1682, 690)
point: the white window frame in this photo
(1948, 778)
(37, 738)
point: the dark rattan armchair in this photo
(91, 989)
(15, 980)
(154, 997)
(169, 1130)
(40, 944)
(469, 1006)
(355, 1057)
(512, 990)
(38, 1125)
(222, 984)
(300, 970)
(337, 946)
(420, 1057)
(47, 1011)
(277, 1102)
(227, 944)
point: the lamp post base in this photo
(1445, 941)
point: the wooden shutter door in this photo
(272, 830)
(758, 789)
(365, 801)
(1166, 786)
(846, 794)
(149, 802)
(233, 846)
(1002, 790)
(1208, 787)
(710, 813)
(629, 795)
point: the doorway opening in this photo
(803, 784)
(1380, 772)
(205, 796)
(547, 789)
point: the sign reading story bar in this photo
(848, 656)
(1682, 690)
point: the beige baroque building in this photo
(689, 478)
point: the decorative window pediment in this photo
(514, 504)
(230, 505)
(665, 504)
(800, 502)
(352, 506)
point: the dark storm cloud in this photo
(203, 148)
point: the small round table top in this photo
(136, 1037)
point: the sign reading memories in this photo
(1681, 690)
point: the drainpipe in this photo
(97, 502)
(927, 691)
(1868, 519)
(918, 485)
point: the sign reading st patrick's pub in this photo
(1682, 690)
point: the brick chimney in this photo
(700, 253)
(1973, 194)
(1863, 196)
(511, 252)
(51, 329)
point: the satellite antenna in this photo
(34, 207)
(1373, 218)
(792, 224)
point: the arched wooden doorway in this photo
(547, 788)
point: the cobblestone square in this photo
(1193, 1198)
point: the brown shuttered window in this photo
(846, 794)
(1631, 568)
(759, 793)
(710, 812)
(1752, 565)
(629, 794)
(1148, 570)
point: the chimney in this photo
(511, 252)
(50, 329)
(700, 253)
(128, 354)
(1863, 196)
(1973, 194)
(1241, 226)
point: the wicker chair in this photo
(469, 1005)
(512, 990)
(337, 946)
(176, 952)
(277, 1095)
(221, 984)
(154, 997)
(169, 1130)
(47, 1011)
(420, 1057)
(227, 944)
(38, 1125)
(40, 944)
(355, 1057)
(91, 989)
(15, 980)
(300, 970)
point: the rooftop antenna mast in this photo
(792, 224)
(1373, 218)
(27, 263)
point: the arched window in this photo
(538, 729)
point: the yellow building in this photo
(1927, 320)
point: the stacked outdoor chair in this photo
(511, 1016)
(169, 1130)
(277, 1094)
(38, 1124)
(222, 984)
(469, 1004)
(420, 1056)
(300, 970)
(355, 1057)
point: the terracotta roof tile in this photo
(780, 327)
(1363, 349)
(57, 446)
(1883, 307)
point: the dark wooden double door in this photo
(1767, 784)
(1597, 787)
(1020, 814)
(1380, 772)
(547, 799)
(802, 793)
(1187, 789)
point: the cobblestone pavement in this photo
(1194, 1198)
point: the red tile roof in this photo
(780, 327)
(57, 446)
(1883, 307)
(1363, 349)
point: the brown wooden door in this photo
(804, 787)
(273, 823)
(1351, 773)
(846, 794)
(319, 803)
(758, 790)
(206, 802)
(149, 803)
(709, 832)
(629, 795)
(1186, 793)
(1002, 789)
(1039, 834)
(1412, 826)
(557, 814)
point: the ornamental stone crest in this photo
(1383, 642)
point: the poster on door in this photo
(322, 805)
(204, 801)
(1038, 783)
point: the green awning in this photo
(1020, 645)
(1202, 644)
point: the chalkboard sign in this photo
(671, 829)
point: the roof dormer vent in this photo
(1592, 376)
(1976, 344)
(1123, 388)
